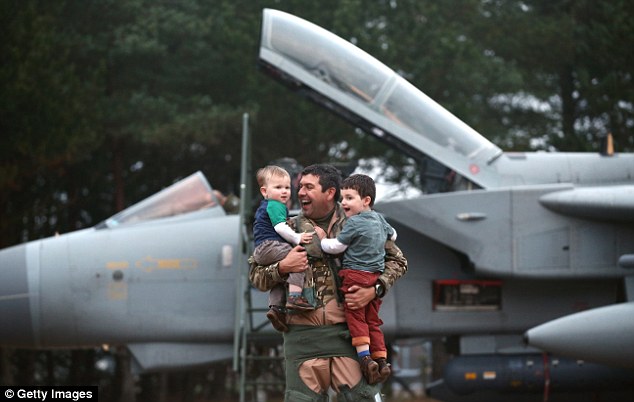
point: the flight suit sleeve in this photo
(395, 265)
(264, 277)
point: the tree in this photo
(45, 116)
(570, 55)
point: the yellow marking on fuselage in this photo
(148, 264)
(117, 265)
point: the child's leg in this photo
(378, 348)
(277, 296)
(356, 318)
(295, 283)
(277, 301)
(270, 251)
(296, 300)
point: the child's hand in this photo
(320, 232)
(306, 237)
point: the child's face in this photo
(277, 188)
(352, 202)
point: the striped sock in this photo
(363, 354)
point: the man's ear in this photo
(330, 194)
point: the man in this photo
(317, 348)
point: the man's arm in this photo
(264, 277)
(395, 267)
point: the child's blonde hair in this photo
(266, 173)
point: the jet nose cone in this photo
(15, 309)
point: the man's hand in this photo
(295, 261)
(358, 297)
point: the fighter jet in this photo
(517, 239)
(158, 277)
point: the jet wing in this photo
(158, 356)
(614, 203)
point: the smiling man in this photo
(317, 356)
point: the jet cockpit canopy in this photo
(350, 82)
(190, 194)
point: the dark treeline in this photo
(105, 102)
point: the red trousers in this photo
(364, 323)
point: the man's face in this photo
(315, 203)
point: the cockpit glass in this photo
(411, 108)
(190, 194)
(361, 89)
(335, 61)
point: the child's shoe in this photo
(384, 369)
(277, 318)
(370, 370)
(298, 303)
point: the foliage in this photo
(106, 102)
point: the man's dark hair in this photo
(329, 176)
(362, 184)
